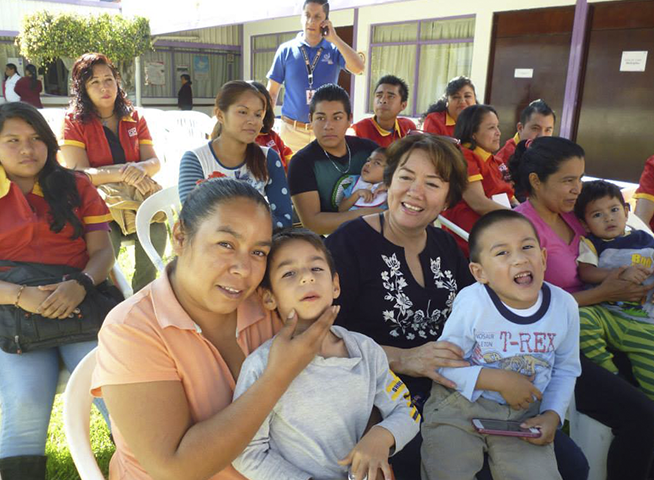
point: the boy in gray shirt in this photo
(317, 430)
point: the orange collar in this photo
(483, 154)
(386, 133)
(516, 138)
(449, 121)
(5, 185)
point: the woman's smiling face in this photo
(225, 259)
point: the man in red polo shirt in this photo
(391, 96)
(536, 120)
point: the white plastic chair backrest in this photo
(77, 418)
(167, 201)
(453, 227)
(55, 119)
(184, 131)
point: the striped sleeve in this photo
(93, 210)
(474, 173)
(392, 398)
(190, 173)
(73, 133)
(143, 131)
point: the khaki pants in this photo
(296, 138)
(453, 450)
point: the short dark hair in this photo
(324, 3)
(396, 81)
(330, 92)
(543, 157)
(381, 150)
(487, 221)
(591, 191)
(282, 236)
(444, 154)
(537, 106)
(186, 77)
(469, 121)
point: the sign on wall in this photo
(155, 73)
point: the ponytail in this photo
(543, 156)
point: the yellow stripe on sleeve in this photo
(93, 219)
(476, 178)
(646, 196)
(145, 142)
(73, 143)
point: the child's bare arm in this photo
(349, 202)
(518, 390)
(592, 274)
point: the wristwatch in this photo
(83, 278)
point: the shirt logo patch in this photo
(327, 58)
(132, 132)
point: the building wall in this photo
(407, 11)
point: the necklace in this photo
(105, 120)
(349, 160)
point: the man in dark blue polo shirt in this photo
(312, 59)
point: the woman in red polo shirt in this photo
(51, 217)
(441, 117)
(478, 130)
(105, 137)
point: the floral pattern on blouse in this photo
(402, 319)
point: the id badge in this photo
(309, 95)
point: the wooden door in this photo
(528, 39)
(616, 113)
(347, 34)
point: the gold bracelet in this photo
(20, 291)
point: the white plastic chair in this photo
(185, 130)
(55, 119)
(167, 201)
(594, 439)
(77, 419)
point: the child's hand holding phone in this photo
(371, 455)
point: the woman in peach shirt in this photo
(168, 357)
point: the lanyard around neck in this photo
(310, 66)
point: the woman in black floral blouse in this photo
(399, 276)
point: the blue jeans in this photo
(27, 388)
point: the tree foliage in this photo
(45, 36)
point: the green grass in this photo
(60, 463)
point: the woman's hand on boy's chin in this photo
(371, 455)
(289, 354)
(547, 422)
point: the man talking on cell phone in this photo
(312, 59)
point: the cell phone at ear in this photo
(324, 31)
(505, 428)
